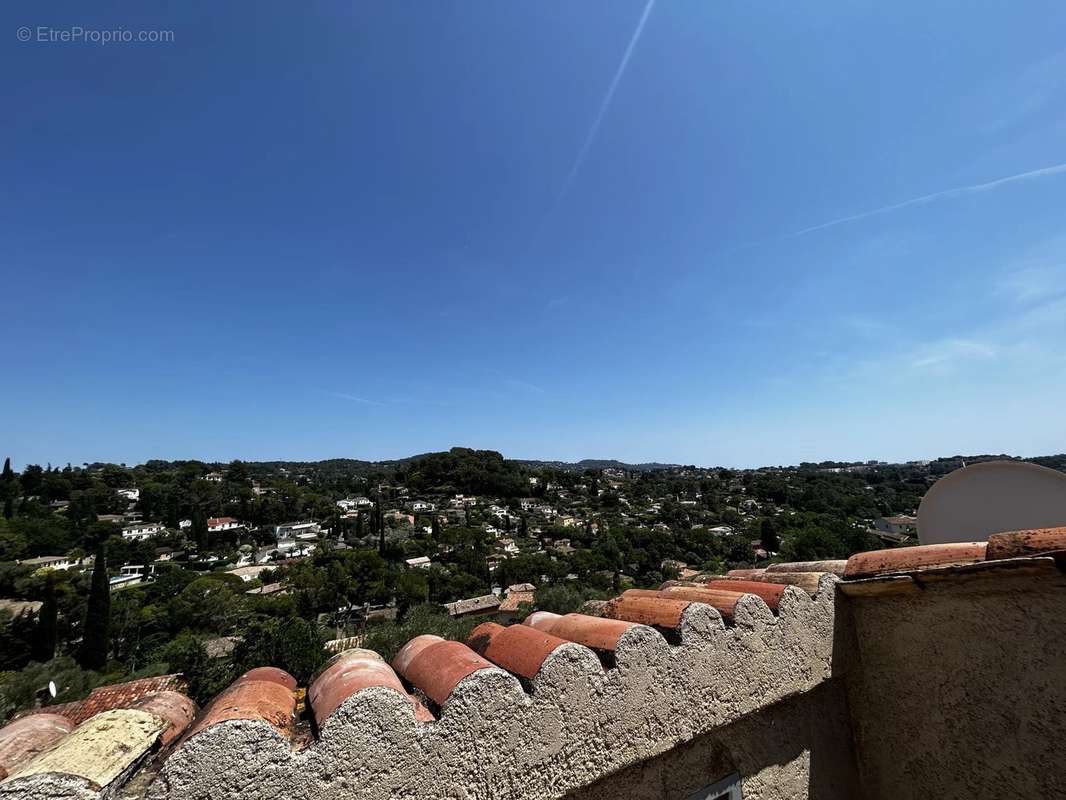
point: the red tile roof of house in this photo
(119, 695)
(515, 598)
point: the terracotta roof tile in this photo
(270, 675)
(723, 601)
(118, 695)
(24, 738)
(410, 651)
(808, 581)
(659, 611)
(835, 566)
(514, 599)
(595, 632)
(436, 666)
(769, 592)
(268, 699)
(520, 649)
(174, 708)
(1013, 544)
(350, 672)
(96, 756)
(906, 559)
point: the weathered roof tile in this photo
(350, 672)
(96, 754)
(24, 738)
(835, 566)
(906, 559)
(769, 592)
(436, 666)
(1013, 544)
(595, 632)
(808, 581)
(659, 611)
(520, 649)
(174, 708)
(721, 599)
(261, 695)
(270, 675)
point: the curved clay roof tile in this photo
(659, 611)
(270, 675)
(437, 667)
(744, 573)
(724, 600)
(520, 649)
(769, 592)
(595, 632)
(908, 559)
(24, 738)
(1015, 544)
(835, 566)
(269, 701)
(350, 672)
(177, 710)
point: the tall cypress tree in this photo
(95, 631)
(44, 637)
(199, 531)
(9, 488)
(381, 531)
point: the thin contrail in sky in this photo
(604, 104)
(355, 398)
(928, 198)
(590, 137)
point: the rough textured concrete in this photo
(90, 761)
(959, 690)
(493, 740)
(799, 749)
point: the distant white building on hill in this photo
(140, 531)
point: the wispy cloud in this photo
(1035, 284)
(514, 383)
(517, 384)
(865, 325)
(960, 191)
(355, 399)
(1016, 99)
(951, 350)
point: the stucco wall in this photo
(496, 740)
(959, 690)
(798, 749)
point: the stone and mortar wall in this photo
(495, 740)
(959, 690)
(797, 749)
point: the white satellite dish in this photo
(994, 496)
(52, 689)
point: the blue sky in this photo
(556, 229)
